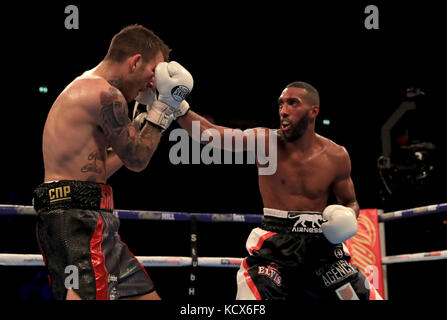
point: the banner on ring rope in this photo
(364, 248)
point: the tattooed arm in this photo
(134, 147)
(113, 163)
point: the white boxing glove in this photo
(341, 223)
(143, 103)
(139, 115)
(161, 115)
(174, 83)
(146, 97)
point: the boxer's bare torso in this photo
(87, 118)
(307, 170)
(304, 180)
(74, 145)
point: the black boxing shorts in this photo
(78, 236)
(290, 258)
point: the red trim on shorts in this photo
(261, 241)
(98, 261)
(141, 266)
(249, 281)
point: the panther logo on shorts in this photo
(301, 226)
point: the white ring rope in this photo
(8, 259)
(6, 209)
(407, 213)
(160, 261)
(414, 257)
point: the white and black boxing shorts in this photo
(290, 258)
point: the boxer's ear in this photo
(315, 110)
(134, 61)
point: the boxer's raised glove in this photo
(143, 103)
(147, 97)
(174, 83)
(341, 223)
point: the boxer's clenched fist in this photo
(341, 223)
(173, 83)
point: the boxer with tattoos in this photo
(87, 137)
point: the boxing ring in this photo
(194, 261)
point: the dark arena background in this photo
(241, 55)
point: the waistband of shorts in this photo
(286, 214)
(67, 194)
(292, 221)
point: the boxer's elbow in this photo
(137, 163)
(135, 166)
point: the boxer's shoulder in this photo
(333, 150)
(90, 84)
(331, 145)
(92, 90)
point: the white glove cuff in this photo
(139, 119)
(160, 114)
(182, 110)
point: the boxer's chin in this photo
(289, 137)
(293, 133)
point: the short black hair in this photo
(312, 93)
(135, 39)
